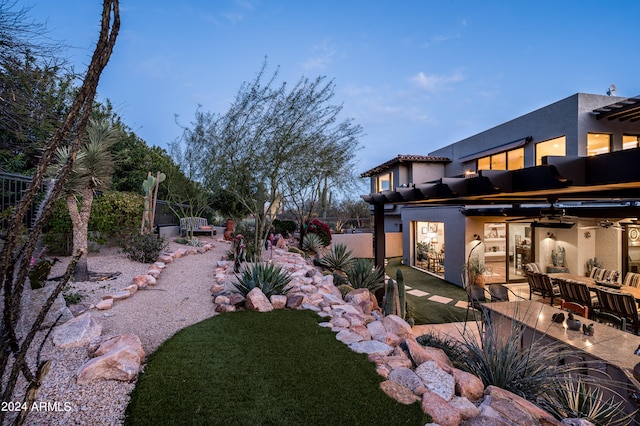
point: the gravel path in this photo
(181, 298)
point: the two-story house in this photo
(562, 179)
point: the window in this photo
(384, 182)
(598, 143)
(630, 141)
(508, 160)
(556, 146)
(515, 159)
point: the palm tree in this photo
(92, 170)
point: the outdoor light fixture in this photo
(551, 235)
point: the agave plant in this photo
(312, 243)
(364, 274)
(580, 397)
(338, 258)
(269, 278)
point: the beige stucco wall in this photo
(360, 244)
(393, 244)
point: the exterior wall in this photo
(570, 117)
(426, 172)
(361, 245)
(454, 231)
(393, 244)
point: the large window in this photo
(630, 141)
(508, 160)
(384, 182)
(556, 146)
(598, 143)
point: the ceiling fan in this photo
(549, 217)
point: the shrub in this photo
(142, 248)
(337, 258)
(283, 227)
(269, 278)
(321, 229)
(111, 212)
(452, 348)
(339, 279)
(312, 243)
(582, 397)
(72, 298)
(364, 274)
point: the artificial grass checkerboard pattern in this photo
(426, 311)
(276, 368)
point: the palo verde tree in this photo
(273, 141)
(16, 251)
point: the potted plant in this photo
(475, 271)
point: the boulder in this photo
(294, 301)
(356, 296)
(108, 344)
(396, 325)
(421, 354)
(371, 347)
(105, 304)
(399, 392)
(118, 295)
(278, 301)
(217, 288)
(349, 337)
(405, 377)
(236, 299)
(440, 410)
(436, 379)
(122, 363)
(257, 301)
(467, 385)
(150, 280)
(225, 308)
(165, 258)
(77, 332)
(466, 408)
(515, 408)
(154, 272)
(140, 281)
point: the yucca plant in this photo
(500, 359)
(580, 397)
(338, 258)
(312, 243)
(363, 273)
(269, 278)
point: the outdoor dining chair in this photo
(534, 285)
(547, 286)
(621, 307)
(576, 297)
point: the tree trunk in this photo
(80, 222)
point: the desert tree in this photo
(91, 172)
(271, 145)
(16, 251)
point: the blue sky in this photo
(416, 75)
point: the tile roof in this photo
(400, 158)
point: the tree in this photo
(16, 252)
(271, 145)
(91, 171)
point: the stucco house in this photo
(561, 183)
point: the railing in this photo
(13, 188)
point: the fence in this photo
(13, 188)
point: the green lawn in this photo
(424, 310)
(249, 368)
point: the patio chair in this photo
(498, 293)
(621, 307)
(547, 286)
(576, 297)
(534, 284)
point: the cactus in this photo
(390, 297)
(401, 294)
(150, 187)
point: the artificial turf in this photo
(250, 368)
(423, 310)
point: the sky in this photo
(417, 75)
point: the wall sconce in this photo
(551, 235)
(434, 240)
(476, 237)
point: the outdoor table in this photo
(593, 284)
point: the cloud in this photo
(435, 82)
(324, 53)
(441, 39)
